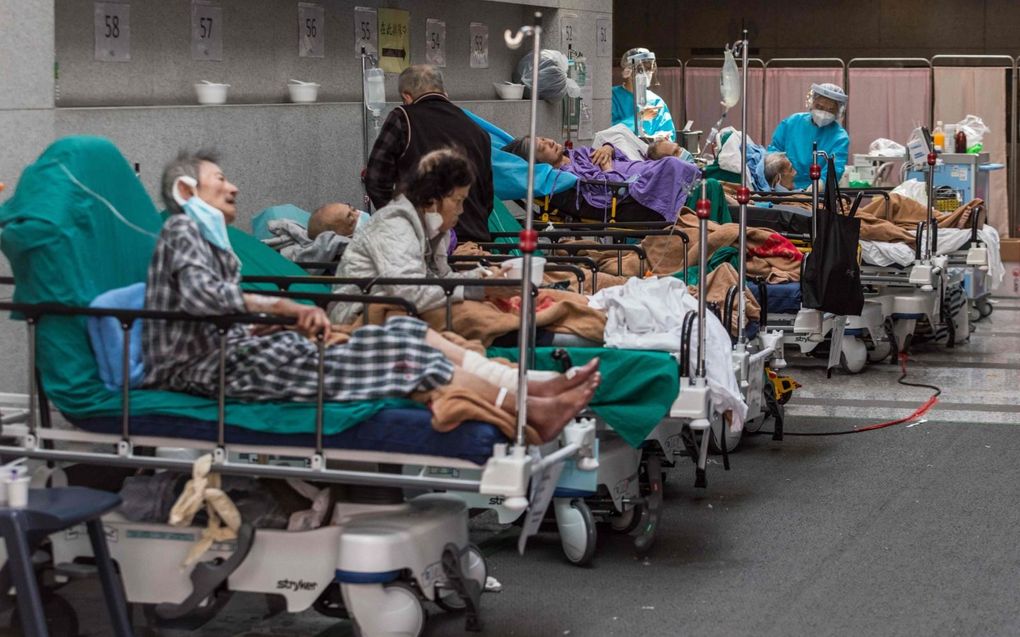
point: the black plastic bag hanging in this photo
(831, 274)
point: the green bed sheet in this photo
(637, 390)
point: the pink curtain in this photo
(960, 91)
(669, 85)
(702, 101)
(888, 103)
(786, 91)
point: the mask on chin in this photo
(822, 118)
(210, 220)
(433, 224)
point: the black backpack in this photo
(830, 274)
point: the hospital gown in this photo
(188, 274)
(796, 135)
(623, 112)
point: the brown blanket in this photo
(666, 255)
(898, 221)
(556, 311)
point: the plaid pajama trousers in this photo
(379, 361)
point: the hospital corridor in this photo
(406, 318)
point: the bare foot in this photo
(549, 415)
(562, 383)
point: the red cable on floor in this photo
(918, 413)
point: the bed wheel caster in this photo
(464, 577)
(576, 525)
(700, 480)
(652, 510)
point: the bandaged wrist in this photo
(490, 371)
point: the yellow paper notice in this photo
(394, 40)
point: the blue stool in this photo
(50, 511)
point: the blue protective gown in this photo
(623, 112)
(795, 136)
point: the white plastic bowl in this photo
(509, 90)
(303, 92)
(513, 268)
(211, 93)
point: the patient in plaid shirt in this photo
(192, 272)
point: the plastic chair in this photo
(50, 511)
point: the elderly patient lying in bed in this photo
(194, 270)
(657, 188)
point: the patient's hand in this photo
(603, 157)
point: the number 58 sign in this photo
(311, 30)
(113, 32)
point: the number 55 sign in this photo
(113, 32)
(311, 30)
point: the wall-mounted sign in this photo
(206, 30)
(394, 40)
(568, 31)
(113, 31)
(435, 42)
(479, 46)
(602, 35)
(366, 31)
(311, 30)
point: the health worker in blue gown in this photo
(796, 134)
(638, 66)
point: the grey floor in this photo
(903, 531)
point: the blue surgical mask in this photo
(363, 218)
(210, 221)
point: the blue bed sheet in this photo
(392, 430)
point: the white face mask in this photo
(822, 118)
(433, 224)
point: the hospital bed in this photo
(632, 431)
(80, 224)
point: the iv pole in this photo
(528, 237)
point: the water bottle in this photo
(375, 90)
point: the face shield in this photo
(826, 97)
(638, 60)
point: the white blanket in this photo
(883, 253)
(649, 314)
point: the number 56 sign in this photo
(311, 30)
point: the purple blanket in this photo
(661, 185)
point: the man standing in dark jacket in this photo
(427, 121)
